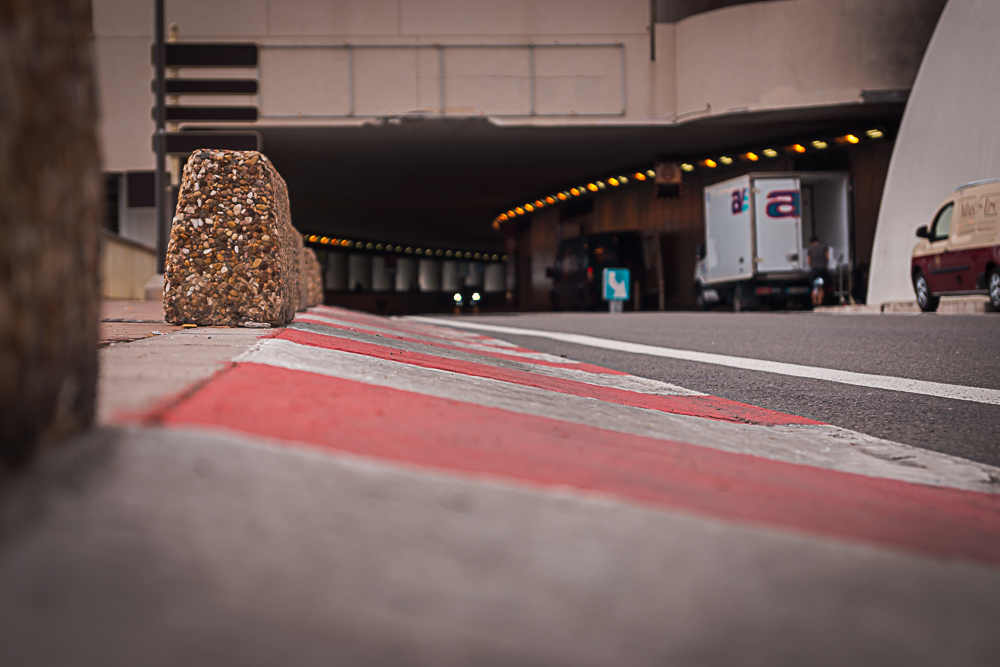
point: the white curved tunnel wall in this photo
(950, 135)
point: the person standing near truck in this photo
(818, 257)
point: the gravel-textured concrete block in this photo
(312, 278)
(233, 257)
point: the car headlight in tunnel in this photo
(458, 299)
(475, 297)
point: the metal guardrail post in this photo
(531, 76)
(159, 178)
(440, 51)
(350, 80)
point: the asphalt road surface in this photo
(952, 349)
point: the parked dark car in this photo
(580, 262)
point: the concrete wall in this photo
(757, 56)
(795, 53)
(949, 136)
(126, 267)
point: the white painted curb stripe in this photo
(938, 389)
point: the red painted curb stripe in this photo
(498, 354)
(404, 426)
(707, 407)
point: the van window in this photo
(942, 223)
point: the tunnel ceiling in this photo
(436, 181)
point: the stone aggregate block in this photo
(51, 194)
(233, 257)
(303, 290)
(312, 277)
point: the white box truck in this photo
(757, 231)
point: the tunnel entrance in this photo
(435, 185)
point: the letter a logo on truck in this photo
(784, 204)
(740, 201)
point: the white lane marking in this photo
(938, 389)
(631, 383)
(821, 446)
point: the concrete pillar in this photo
(450, 281)
(336, 270)
(382, 280)
(406, 274)
(430, 275)
(51, 188)
(359, 272)
(495, 277)
(474, 277)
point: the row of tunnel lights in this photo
(596, 186)
(408, 250)
(749, 156)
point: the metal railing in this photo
(441, 77)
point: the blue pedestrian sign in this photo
(616, 284)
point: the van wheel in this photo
(993, 282)
(925, 300)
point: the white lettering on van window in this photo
(990, 204)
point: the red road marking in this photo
(404, 426)
(709, 407)
(496, 353)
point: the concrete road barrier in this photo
(312, 278)
(50, 186)
(303, 293)
(233, 257)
